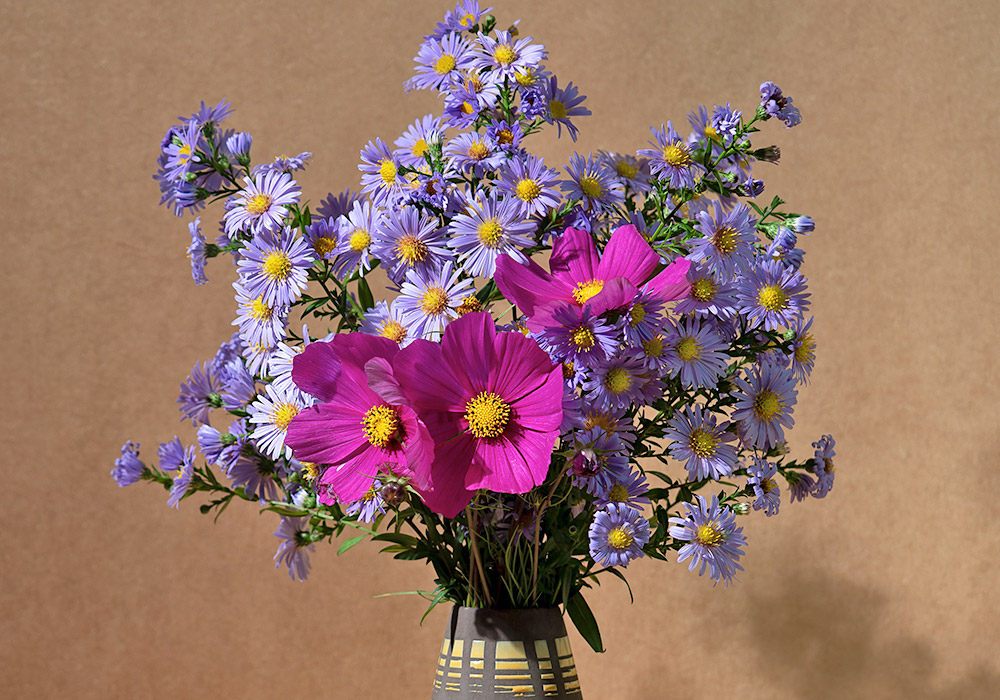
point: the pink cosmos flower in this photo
(363, 424)
(492, 403)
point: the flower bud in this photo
(740, 508)
(768, 154)
(393, 493)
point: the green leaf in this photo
(347, 544)
(365, 298)
(397, 538)
(620, 575)
(441, 593)
(586, 624)
(286, 509)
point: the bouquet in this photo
(572, 368)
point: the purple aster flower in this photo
(764, 402)
(235, 444)
(803, 350)
(272, 414)
(726, 121)
(369, 506)
(776, 104)
(388, 322)
(783, 250)
(179, 195)
(284, 164)
(181, 146)
(696, 351)
(274, 267)
(701, 442)
(593, 184)
(474, 153)
(670, 158)
(713, 540)
(767, 495)
(800, 485)
(563, 104)
(625, 490)
(575, 334)
(354, 248)
(238, 386)
(772, 295)
(597, 452)
(212, 115)
(707, 296)
(535, 103)
(800, 224)
(428, 189)
(260, 323)
(262, 205)
(529, 183)
(211, 443)
(380, 177)
(407, 241)
(750, 187)
(463, 104)
(296, 543)
(336, 205)
(439, 62)
(238, 146)
(643, 318)
(823, 466)
(258, 356)
(128, 469)
(618, 535)
(416, 140)
(464, 17)
(196, 252)
(175, 457)
(487, 228)
(653, 353)
(323, 236)
(728, 238)
(505, 55)
(228, 351)
(256, 475)
(199, 394)
(612, 420)
(631, 171)
(506, 135)
(429, 302)
(621, 381)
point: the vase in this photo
(491, 653)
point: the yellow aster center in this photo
(654, 346)
(725, 239)
(527, 189)
(557, 109)
(772, 297)
(709, 535)
(469, 305)
(387, 169)
(597, 419)
(467, 20)
(411, 249)
(591, 186)
(505, 136)
(587, 290)
(711, 133)
(478, 150)
(282, 414)
(767, 405)
(618, 380)
(322, 246)
(393, 330)
(688, 349)
(381, 425)
(703, 290)
(435, 301)
(360, 240)
(806, 351)
(259, 310)
(467, 108)
(419, 148)
(504, 55)
(568, 370)
(677, 155)
(525, 77)
(583, 338)
(258, 204)
(487, 415)
(620, 538)
(184, 153)
(626, 169)
(637, 315)
(702, 442)
(768, 486)
(445, 64)
(309, 471)
(277, 265)
(490, 232)
(618, 494)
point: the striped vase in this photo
(505, 653)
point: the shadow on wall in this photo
(839, 651)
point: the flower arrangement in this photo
(572, 370)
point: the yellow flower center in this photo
(767, 405)
(505, 136)
(768, 486)
(587, 290)
(527, 189)
(259, 310)
(598, 419)
(258, 204)
(654, 346)
(711, 133)
(504, 55)
(411, 249)
(568, 369)
(277, 265)
(282, 414)
(583, 338)
(381, 425)
(490, 232)
(184, 153)
(467, 108)
(618, 380)
(625, 169)
(467, 20)
(688, 349)
(618, 494)
(478, 150)
(419, 148)
(435, 301)
(387, 169)
(637, 315)
(469, 305)
(487, 415)
(309, 471)
(806, 351)
(445, 64)
(709, 535)
(557, 109)
(620, 538)
(772, 297)
(725, 239)
(322, 246)
(393, 330)
(360, 240)
(525, 78)
(702, 442)
(703, 290)
(591, 186)
(677, 155)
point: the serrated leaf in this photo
(585, 622)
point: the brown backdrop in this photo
(883, 590)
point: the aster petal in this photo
(627, 255)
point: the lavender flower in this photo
(562, 104)
(486, 229)
(772, 295)
(272, 414)
(388, 323)
(618, 535)
(356, 230)
(199, 394)
(713, 540)
(764, 404)
(701, 442)
(407, 241)
(694, 349)
(775, 104)
(670, 158)
(727, 243)
(529, 183)
(593, 184)
(429, 302)
(506, 56)
(196, 252)
(262, 205)
(439, 62)
(767, 495)
(823, 466)
(295, 546)
(128, 469)
(274, 267)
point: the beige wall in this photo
(884, 590)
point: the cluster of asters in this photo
(670, 321)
